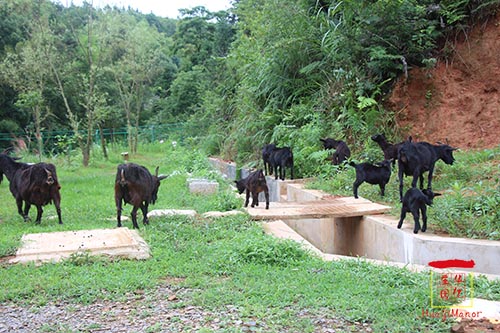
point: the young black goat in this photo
(379, 173)
(415, 158)
(266, 157)
(416, 202)
(280, 159)
(390, 150)
(342, 151)
(253, 184)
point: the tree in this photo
(141, 62)
(26, 69)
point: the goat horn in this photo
(156, 171)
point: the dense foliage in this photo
(283, 71)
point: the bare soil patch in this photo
(458, 100)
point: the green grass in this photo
(224, 261)
(470, 202)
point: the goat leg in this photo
(119, 212)
(39, 211)
(134, 217)
(247, 198)
(266, 193)
(424, 218)
(416, 217)
(403, 215)
(26, 212)
(144, 209)
(58, 209)
(255, 199)
(382, 189)
(355, 188)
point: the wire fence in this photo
(54, 141)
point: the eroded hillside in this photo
(458, 100)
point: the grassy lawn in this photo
(224, 261)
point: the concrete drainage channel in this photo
(346, 227)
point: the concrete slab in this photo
(202, 186)
(482, 307)
(171, 212)
(317, 210)
(55, 246)
(216, 214)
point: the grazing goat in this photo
(253, 184)
(379, 173)
(416, 201)
(280, 159)
(342, 152)
(34, 184)
(266, 157)
(135, 185)
(390, 150)
(415, 158)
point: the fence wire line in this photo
(148, 133)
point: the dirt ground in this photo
(458, 100)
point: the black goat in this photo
(415, 158)
(32, 184)
(253, 184)
(390, 150)
(342, 151)
(280, 159)
(379, 173)
(416, 202)
(266, 157)
(135, 185)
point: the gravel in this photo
(164, 310)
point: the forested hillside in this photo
(288, 72)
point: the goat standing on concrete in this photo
(254, 184)
(32, 184)
(416, 158)
(135, 185)
(266, 157)
(342, 151)
(416, 202)
(280, 159)
(378, 174)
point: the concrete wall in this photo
(377, 237)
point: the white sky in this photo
(164, 8)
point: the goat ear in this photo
(161, 177)
(437, 194)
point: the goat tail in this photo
(123, 181)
